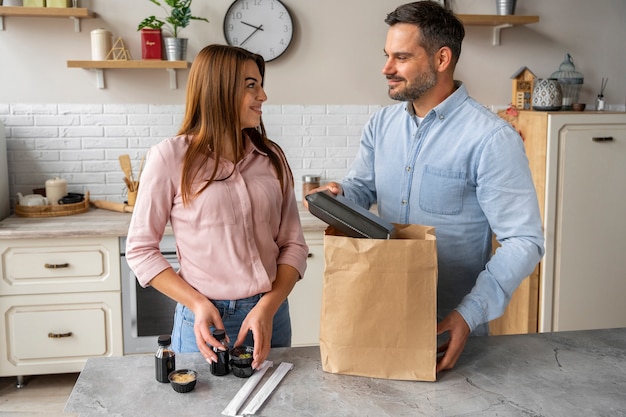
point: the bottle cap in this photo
(219, 334)
(165, 340)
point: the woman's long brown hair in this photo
(214, 93)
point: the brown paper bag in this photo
(379, 305)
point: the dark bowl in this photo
(183, 380)
(241, 356)
(243, 371)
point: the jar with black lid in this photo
(220, 367)
(165, 358)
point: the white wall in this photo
(320, 92)
(335, 59)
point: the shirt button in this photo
(408, 169)
(441, 117)
(404, 202)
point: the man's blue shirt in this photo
(464, 171)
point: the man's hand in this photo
(458, 331)
(333, 187)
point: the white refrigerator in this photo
(5, 207)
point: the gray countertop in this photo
(96, 222)
(551, 374)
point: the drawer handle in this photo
(59, 335)
(603, 139)
(56, 266)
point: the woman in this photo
(227, 191)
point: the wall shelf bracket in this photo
(76, 23)
(99, 77)
(173, 83)
(496, 33)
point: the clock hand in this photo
(252, 26)
(255, 31)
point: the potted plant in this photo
(178, 17)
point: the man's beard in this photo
(420, 86)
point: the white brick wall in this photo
(81, 143)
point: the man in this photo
(439, 158)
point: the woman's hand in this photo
(260, 322)
(207, 315)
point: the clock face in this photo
(260, 26)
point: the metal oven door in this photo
(146, 313)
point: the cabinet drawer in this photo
(54, 266)
(57, 333)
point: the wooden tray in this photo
(53, 211)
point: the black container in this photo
(165, 359)
(241, 361)
(220, 368)
(347, 217)
(183, 380)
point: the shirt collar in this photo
(251, 147)
(446, 107)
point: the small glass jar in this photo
(309, 182)
(600, 103)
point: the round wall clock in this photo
(264, 27)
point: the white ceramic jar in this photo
(100, 44)
(56, 189)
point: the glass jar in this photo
(600, 103)
(309, 182)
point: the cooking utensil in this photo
(143, 159)
(127, 168)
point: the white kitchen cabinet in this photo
(579, 168)
(60, 303)
(305, 300)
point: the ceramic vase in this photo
(547, 95)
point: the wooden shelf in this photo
(497, 22)
(100, 66)
(75, 13)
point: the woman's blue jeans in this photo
(233, 312)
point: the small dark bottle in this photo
(220, 367)
(165, 358)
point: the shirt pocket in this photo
(214, 206)
(441, 190)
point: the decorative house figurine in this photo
(522, 88)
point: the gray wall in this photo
(335, 59)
